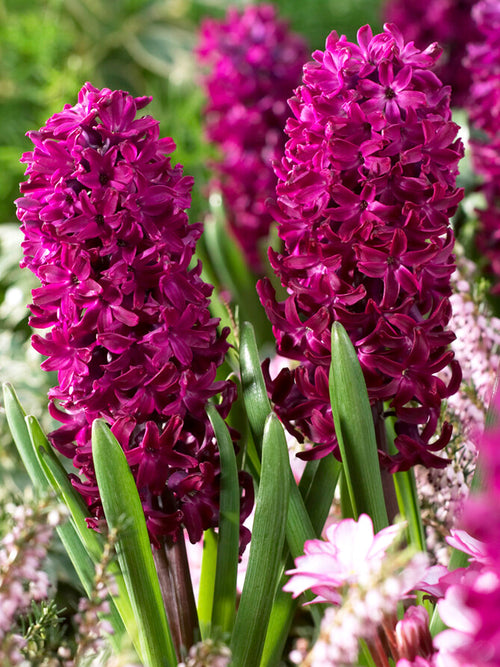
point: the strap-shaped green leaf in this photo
(16, 419)
(265, 558)
(257, 403)
(303, 523)
(92, 543)
(224, 602)
(409, 507)
(83, 546)
(58, 478)
(407, 497)
(255, 398)
(123, 512)
(207, 582)
(355, 431)
(17, 425)
(299, 527)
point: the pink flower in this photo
(131, 336)
(461, 540)
(471, 605)
(253, 64)
(355, 572)
(349, 555)
(442, 21)
(413, 637)
(365, 191)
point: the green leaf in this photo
(264, 563)
(280, 622)
(207, 582)
(16, 418)
(299, 527)
(17, 425)
(58, 478)
(224, 603)
(406, 493)
(355, 431)
(124, 513)
(92, 543)
(84, 546)
(305, 521)
(319, 498)
(257, 403)
(409, 507)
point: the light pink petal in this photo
(383, 540)
(431, 582)
(456, 614)
(461, 540)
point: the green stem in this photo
(391, 501)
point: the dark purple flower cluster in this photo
(447, 22)
(132, 339)
(483, 62)
(366, 189)
(483, 105)
(254, 62)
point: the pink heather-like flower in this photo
(365, 192)
(350, 555)
(254, 62)
(442, 492)
(23, 550)
(131, 336)
(447, 22)
(471, 605)
(354, 571)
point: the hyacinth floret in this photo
(253, 62)
(365, 192)
(130, 332)
(445, 22)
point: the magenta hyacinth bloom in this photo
(447, 22)
(483, 63)
(131, 336)
(483, 105)
(365, 192)
(253, 64)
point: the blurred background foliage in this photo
(49, 48)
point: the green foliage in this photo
(224, 604)
(121, 502)
(355, 431)
(313, 19)
(264, 562)
(42, 628)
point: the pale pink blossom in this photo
(350, 554)
(461, 540)
(413, 637)
(364, 577)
